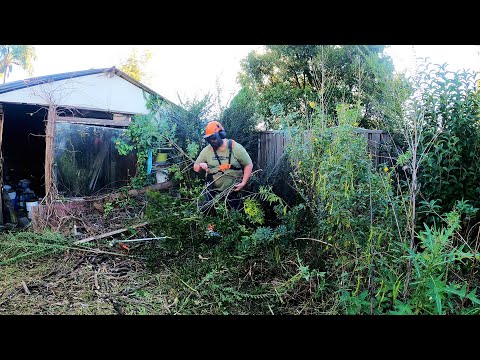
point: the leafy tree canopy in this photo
(295, 77)
(240, 120)
(21, 55)
(134, 65)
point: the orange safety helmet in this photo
(214, 127)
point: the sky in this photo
(457, 57)
(190, 71)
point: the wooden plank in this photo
(269, 151)
(376, 137)
(280, 146)
(277, 148)
(121, 117)
(262, 154)
(274, 149)
(49, 139)
(281, 142)
(264, 151)
(92, 121)
(97, 237)
(385, 140)
(258, 150)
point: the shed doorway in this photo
(23, 148)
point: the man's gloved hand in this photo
(240, 186)
(200, 166)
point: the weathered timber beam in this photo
(92, 121)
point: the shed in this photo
(58, 129)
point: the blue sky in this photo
(192, 70)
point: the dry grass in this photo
(77, 283)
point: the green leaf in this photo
(453, 290)
(473, 298)
(401, 309)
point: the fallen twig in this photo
(143, 239)
(25, 287)
(95, 280)
(323, 242)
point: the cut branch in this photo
(97, 237)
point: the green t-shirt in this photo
(240, 158)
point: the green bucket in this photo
(161, 157)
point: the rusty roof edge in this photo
(20, 84)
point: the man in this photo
(226, 163)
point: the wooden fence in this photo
(271, 146)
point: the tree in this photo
(134, 65)
(21, 55)
(202, 111)
(294, 76)
(240, 120)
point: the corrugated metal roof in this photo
(20, 84)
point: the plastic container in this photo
(12, 195)
(25, 183)
(162, 157)
(162, 176)
(20, 199)
(30, 205)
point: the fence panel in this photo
(271, 146)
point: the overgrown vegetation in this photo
(154, 132)
(401, 238)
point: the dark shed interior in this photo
(23, 146)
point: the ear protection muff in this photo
(222, 132)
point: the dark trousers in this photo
(234, 199)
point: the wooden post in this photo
(49, 137)
(259, 149)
